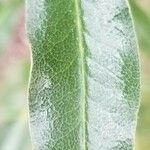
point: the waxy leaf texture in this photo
(84, 86)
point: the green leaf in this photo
(84, 88)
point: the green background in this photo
(15, 66)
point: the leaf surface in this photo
(84, 88)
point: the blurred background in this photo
(14, 73)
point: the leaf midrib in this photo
(82, 58)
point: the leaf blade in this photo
(77, 63)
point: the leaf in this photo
(142, 24)
(84, 88)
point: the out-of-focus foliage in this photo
(14, 72)
(8, 18)
(142, 25)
